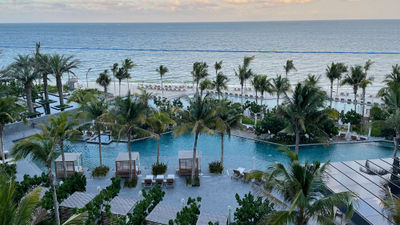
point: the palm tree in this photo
(120, 75)
(302, 108)
(265, 86)
(41, 147)
(244, 73)
(363, 86)
(12, 213)
(24, 71)
(218, 67)
(41, 62)
(114, 70)
(280, 85)
(356, 76)
(162, 70)
(392, 207)
(301, 186)
(227, 116)
(127, 64)
(104, 80)
(205, 85)
(256, 84)
(159, 122)
(83, 96)
(220, 83)
(334, 72)
(62, 127)
(198, 118)
(8, 112)
(144, 97)
(128, 114)
(199, 72)
(394, 76)
(289, 66)
(312, 79)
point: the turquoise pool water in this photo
(239, 152)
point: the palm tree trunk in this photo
(241, 93)
(277, 100)
(297, 141)
(105, 92)
(330, 103)
(262, 98)
(257, 98)
(100, 156)
(337, 87)
(161, 85)
(396, 143)
(119, 87)
(1, 144)
(55, 201)
(194, 163)
(130, 155)
(197, 87)
(158, 150)
(363, 103)
(201, 93)
(355, 100)
(63, 157)
(60, 89)
(127, 81)
(45, 87)
(222, 149)
(115, 89)
(28, 93)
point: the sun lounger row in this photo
(167, 181)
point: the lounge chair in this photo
(169, 183)
(148, 181)
(160, 180)
(238, 173)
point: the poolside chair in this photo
(148, 181)
(170, 181)
(236, 175)
(160, 180)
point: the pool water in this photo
(238, 152)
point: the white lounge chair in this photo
(160, 180)
(169, 183)
(148, 181)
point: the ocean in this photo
(310, 44)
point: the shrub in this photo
(100, 171)
(216, 167)
(159, 168)
(189, 214)
(251, 209)
(9, 169)
(351, 117)
(131, 183)
(377, 113)
(272, 123)
(196, 181)
(29, 183)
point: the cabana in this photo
(205, 218)
(161, 215)
(118, 207)
(73, 161)
(122, 164)
(76, 200)
(185, 163)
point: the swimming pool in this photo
(238, 152)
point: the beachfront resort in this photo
(262, 151)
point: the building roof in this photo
(122, 206)
(161, 214)
(124, 156)
(77, 200)
(70, 157)
(204, 218)
(186, 154)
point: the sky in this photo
(28, 11)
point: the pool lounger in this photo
(148, 181)
(169, 182)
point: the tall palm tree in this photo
(280, 85)
(8, 112)
(41, 62)
(256, 84)
(301, 108)
(301, 186)
(12, 213)
(129, 115)
(205, 85)
(83, 96)
(127, 64)
(114, 70)
(356, 76)
(363, 85)
(394, 76)
(218, 67)
(159, 122)
(200, 71)
(227, 116)
(312, 79)
(120, 75)
(289, 66)
(244, 73)
(41, 147)
(220, 83)
(144, 97)
(104, 80)
(62, 127)
(162, 70)
(334, 72)
(265, 86)
(198, 118)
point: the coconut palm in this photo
(220, 83)
(280, 86)
(104, 80)
(159, 122)
(41, 147)
(227, 117)
(363, 85)
(218, 67)
(392, 207)
(127, 64)
(256, 84)
(120, 75)
(265, 86)
(62, 127)
(244, 73)
(199, 72)
(58, 65)
(12, 213)
(114, 70)
(198, 118)
(312, 79)
(129, 115)
(8, 113)
(394, 76)
(356, 76)
(41, 63)
(334, 72)
(144, 97)
(302, 187)
(289, 66)
(162, 70)
(301, 108)
(206, 84)
(83, 96)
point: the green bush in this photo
(378, 113)
(272, 123)
(215, 167)
(351, 117)
(100, 171)
(196, 181)
(29, 183)
(250, 121)
(9, 169)
(131, 183)
(159, 168)
(251, 209)
(189, 214)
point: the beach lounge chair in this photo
(353, 138)
(160, 180)
(148, 181)
(169, 183)
(238, 173)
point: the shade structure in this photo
(122, 164)
(185, 158)
(75, 201)
(73, 161)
